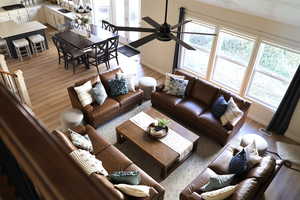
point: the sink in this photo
(64, 10)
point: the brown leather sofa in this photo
(251, 185)
(112, 160)
(95, 114)
(194, 110)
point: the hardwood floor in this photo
(47, 82)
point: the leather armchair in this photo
(96, 114)
(194, 110)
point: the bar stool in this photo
(37, 43)
(22, 48)
(4, 48)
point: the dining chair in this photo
(59, 49)
(98, 55)
(109, 27)
(112, 49)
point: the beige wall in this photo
(159, 55)
(294, 128)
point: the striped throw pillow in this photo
(84, 93)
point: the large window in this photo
(197, 61)
(233, 56)
(274, 69)
(228, 60)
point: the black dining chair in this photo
(59, 49)
(109, 27)
(98, 55)
(112, 49)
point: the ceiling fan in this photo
(162, 32)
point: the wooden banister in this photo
(8, 73)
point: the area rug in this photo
(128, 51)
(179, 178)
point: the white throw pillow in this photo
(134, 190)
(232, 113)
(130, 79)
(84, 93)
(219, 194)
(88, 162)
(82, 142)
(252, 155)
(168, 80)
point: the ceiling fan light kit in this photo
(162, 32)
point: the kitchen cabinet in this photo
(36, 13)
(54, 19)
(20, 16)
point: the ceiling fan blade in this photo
(212, 34)
(150, 21)
(184, 44)
(143, 40)
(137, 29)
(180, 24)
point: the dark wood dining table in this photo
(81, 42)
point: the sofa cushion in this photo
(165, 100)
(245, 190)
(204, 92)
(107, 108)
(209, 120)
(113, 160)
(98, 142)
(221, 164)
(107, 76)
(191, 108)
(129, 98)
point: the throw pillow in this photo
(118, 87)
(134, 190)
(232, 114)
(219, 107)
(252, 155)
(84, 93)
(238, 164)
(217, 181)
(177, 87)
(219, 194)
(99, 93)
(126, 177)
(130, 78)
(168, 78)
(88, 162)
(80, 141)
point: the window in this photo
(274, 69)
(197, 61)
(101, 11)
(232, 59)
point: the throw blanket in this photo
(173, 140)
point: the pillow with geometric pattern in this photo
(80, 141)
(177, 87)
(118, 87)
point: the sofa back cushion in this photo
(204, 92)
(107, 76)
(94, 80)
(241, 103)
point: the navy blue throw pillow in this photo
(219, 107)
(238, 164)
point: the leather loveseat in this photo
(95, 114)
(251, 185)
(194, 110)
(112, 160)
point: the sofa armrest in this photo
(160, 87)
(196, 196)
(74, 98)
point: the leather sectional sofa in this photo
(112, 160)
(95, 114)
(251, 185)
(194, 110)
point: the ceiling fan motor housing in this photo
(164, 32)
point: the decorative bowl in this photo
(157, 132)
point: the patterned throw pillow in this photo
(88, 162)
(168, 78)
(99, 93)
(238, 164)
(232, 114)
(130, 78)
(118, 87)
(217, 181)
(84, 93)
(82, 142)
(177, 87)
(134, 190)
(219, 194)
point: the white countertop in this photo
(10, 28)
(54, 7)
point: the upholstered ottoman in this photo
(261, 143)
(148, 85)
(71, 118)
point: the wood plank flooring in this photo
(47, 82)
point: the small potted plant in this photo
(159, 128)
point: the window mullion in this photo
(250, 68)
(213, 53)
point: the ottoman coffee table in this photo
(168, 152)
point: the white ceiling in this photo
(286, 11)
